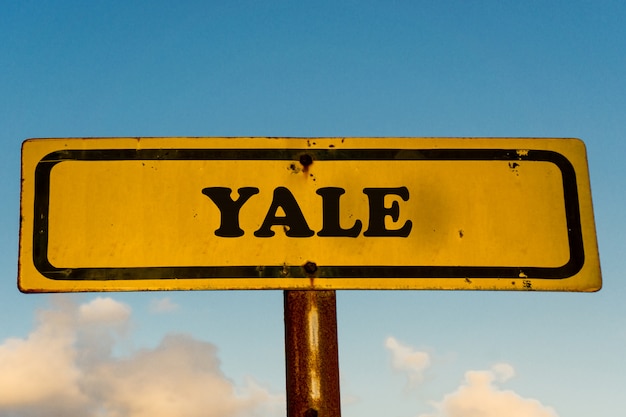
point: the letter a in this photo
(293, 219)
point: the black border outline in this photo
(42, 195)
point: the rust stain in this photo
(310, 268)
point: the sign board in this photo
(123, 214)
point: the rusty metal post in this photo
(311, 351)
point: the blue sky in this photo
(367, 68)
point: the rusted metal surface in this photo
(311, 351)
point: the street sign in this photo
(124, 214)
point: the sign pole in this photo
(311, 354)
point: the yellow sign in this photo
(124, 214)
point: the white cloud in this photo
(42, 368)
(65, 368)
(406, 359)
(163, 305)
(180, 377)
(503, 372)
(479, 396)
(104, 310)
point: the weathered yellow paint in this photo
(119, 214)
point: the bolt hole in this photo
(306, 160)
(310, 268)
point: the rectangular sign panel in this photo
(123, 214)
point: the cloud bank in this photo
(480, 396)
(65, 367)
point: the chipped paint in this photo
(295, 169)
